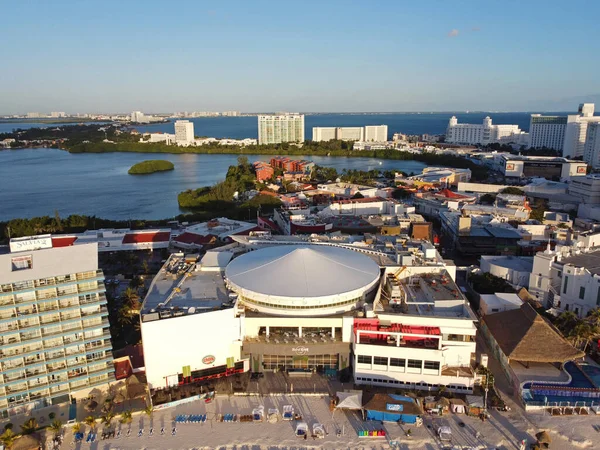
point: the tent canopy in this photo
(349, 400)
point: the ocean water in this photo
(8, 127)
(36, 182)
(409, 123)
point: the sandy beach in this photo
(503, 431)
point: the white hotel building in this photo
(54, 330)
(184, 132)
(275, 129)
(486, 133)
(369, 133)
(591, 152)
(565, 133)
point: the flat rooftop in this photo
(431, 294)
(591, 261)
(180, 288)
(520, 263)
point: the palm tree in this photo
(126, 417)
(76, 428)
(29, 426)
(55, 427)
(593, 319)
(149, 410)
(583, 333)
(8, 438)
(566, 322)
(124, 317)
(107, 418)
(131, 298)
(91, 421)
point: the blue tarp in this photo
(393, 411)
(389, 416)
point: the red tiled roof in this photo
(449, 194)
(138, 238)
(63, 241)
(192, 238)
(122, 369)
(135, 353)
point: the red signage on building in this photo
(209, 359)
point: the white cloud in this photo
(453, 33)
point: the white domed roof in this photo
(305, 272)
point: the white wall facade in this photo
(587, 188)
(494, 265)
(486, 133)
(450, 353)
(547, 131)
(184, 132)
(579, 290)
(376, 133)
(591, 153)
(340, 133)
(50, 262)
(170, 344)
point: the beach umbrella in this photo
(543, 437)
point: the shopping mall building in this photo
(301, 306)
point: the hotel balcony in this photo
(13, 377)
(56, 367)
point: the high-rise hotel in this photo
(275, 129)
(54, 330)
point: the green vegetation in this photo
(219, 199)
(580, 332)
(307, 149)
(538, 208)
(151, 166)
(56, 224)
(52, 120)
(487, 199)
(512, 191)
(486, 283)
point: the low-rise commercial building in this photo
(586, 189)
(422, 335)
(514, 270)
(513, 166)
(441, 176)
(478, 235)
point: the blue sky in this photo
(398, 55)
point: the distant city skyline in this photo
(321, 57)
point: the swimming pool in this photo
(581, 390)
(593, 372)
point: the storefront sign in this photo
(208, 359)
(24, 245)
(300, 350)
(393, 407)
